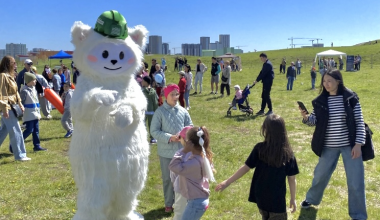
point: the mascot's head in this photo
(111, 49)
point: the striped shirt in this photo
(337, 134)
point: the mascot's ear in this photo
(138, 34)
(79, 32)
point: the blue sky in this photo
(260, 25)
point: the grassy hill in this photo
(44, 188)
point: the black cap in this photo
(147, 79)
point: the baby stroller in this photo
(243, 108)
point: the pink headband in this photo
(184, 130)
(170, 89)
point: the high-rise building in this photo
(205, 42)
(215, 46)
(147, 48)
(165, 48)
(2, 53)
(224, 39)
(38, 49)
(192, 49)
(15, 49)
(155, 44)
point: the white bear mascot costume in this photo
(109, 149)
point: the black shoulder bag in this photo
(368, 152)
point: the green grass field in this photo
(44, 187)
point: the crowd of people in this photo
(184, 150)
(186, 159)
(23, 96)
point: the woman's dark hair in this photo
(276, 149)
(337, 75)
(146, 65)
(188, 67)
(55, 71)
(6, 66)
(44, 72)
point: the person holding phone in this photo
(339, 130)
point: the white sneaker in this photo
(234, 108)
(187, 108)
(230, 104)
(48, 117)
(24, 159)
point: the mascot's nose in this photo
(113, 62)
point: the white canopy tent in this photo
(329, 53)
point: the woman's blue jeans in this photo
(11, 126)
(355, 180)
(187, 100)
(195, 209)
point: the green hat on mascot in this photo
(112, 24)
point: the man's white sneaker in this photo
(48, 117)
(24, 159)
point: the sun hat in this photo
(236, 86)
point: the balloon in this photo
(54, 99)
(158, 78)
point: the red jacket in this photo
(182, 85)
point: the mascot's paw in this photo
(123, 116)
(105, 97)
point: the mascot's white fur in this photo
(109, 149)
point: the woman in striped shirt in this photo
(339, 130)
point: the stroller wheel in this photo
(228, 113)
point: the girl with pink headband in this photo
(194, 171)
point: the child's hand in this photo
(293, 205)
(174, 138)
(221, 186)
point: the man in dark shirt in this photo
(291, 75)
(266, 76)
(20, 77)
(152, 68)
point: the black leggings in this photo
(227, 88)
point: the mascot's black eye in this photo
(121, 55)
(105, 54)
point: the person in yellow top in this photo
(9, 122)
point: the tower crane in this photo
(174, 49)
(296, 38)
